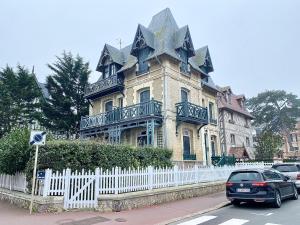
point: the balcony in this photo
(119, 116)
(213, 121)
(102, 87)
(189, 157)
(191, 113)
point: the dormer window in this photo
(143, 66)
(141, 49)
(183, 55)
(109, 70)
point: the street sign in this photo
(37, 137)
(41, 175)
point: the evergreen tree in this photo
(19, 98)
(66, 103)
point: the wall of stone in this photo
(40, 204)
(128, 201)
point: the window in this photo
(246, 123)
(184, 95)
(112, 69)
(108, 106)
(269, 175)
(231, 117)
(142, 63)
(232, 139)
(145, 96)
(121, 102)
(142, 139)
(247, 142)
(106, 72)
(186, 142)
(249, 176)
(211, 110)
(183, 55)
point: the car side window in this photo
(276, 176)
(269, 175)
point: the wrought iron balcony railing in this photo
(103, 86)
(189, 157)
(191, 113)
(119, 115)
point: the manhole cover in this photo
(121, 220)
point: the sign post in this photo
(36, 138)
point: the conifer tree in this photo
(66, 103)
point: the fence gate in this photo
(81, 189)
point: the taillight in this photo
(298, 176)
(259, 184)
(229, 184)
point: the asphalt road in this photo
(249, 214)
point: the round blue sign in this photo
(37, 137)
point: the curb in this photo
(221, 205)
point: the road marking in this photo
(263, 214)
(234, 222)
(198, 220)
(271, 224)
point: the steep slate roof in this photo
(234, 104)
(208, 82)
(164, 37)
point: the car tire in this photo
(277, 200)
(235, 202)
(295, 195)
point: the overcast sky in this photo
(254, 44)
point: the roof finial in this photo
(119, 42)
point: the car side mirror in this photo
(286, 178)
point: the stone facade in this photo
(236, 133)
(166, 80)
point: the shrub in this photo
(76, 155)
(15, 151)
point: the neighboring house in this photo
(236, 133)
(292, 143)
(155, 92)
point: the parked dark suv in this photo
(262, 185)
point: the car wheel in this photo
(295, 196)
(277, 200)
(235, 202)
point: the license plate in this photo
(244, 190)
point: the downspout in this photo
(165, 99)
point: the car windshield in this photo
(245, 176)
(286, 168)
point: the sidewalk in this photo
(160, 214)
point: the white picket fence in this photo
(15, 182)
(81, 189)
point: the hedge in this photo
(76, 155)
(15, 151)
